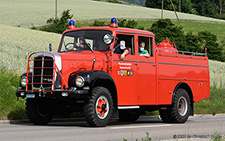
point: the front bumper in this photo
(54, 94)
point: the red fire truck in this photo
(87, 75)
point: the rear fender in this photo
(188, 89)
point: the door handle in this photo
(136, 63)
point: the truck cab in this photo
(86, 74)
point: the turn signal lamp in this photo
(113, 23)
(71, 24)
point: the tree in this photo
(186, 6)
(205, 8)
(219, 5)
(192, 43)
(209, 40)
(165, 28)
(158, 4)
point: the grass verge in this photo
(214, 105)
(10, 108)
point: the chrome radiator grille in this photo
(42, 77)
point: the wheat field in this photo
(17, 43)
(28, 13)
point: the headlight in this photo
(80, 81)
(23, 81)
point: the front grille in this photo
(42, 77)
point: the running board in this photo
(128, 107)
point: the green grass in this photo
(214, 105)
(10, 108)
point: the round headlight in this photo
(80, 81)
(23, 81)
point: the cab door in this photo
(146, 72)
(124, 72)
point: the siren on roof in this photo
(113, 23)
(71, 24)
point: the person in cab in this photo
(120, 48)
(142, 51)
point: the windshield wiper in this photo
(89, 47)
(65, 46)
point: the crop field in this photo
(17, 43)
(28, 13)
(217, 73)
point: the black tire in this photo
(38, 112)
(98, 110)
(180, 109)
(164, 114)
(129, 115)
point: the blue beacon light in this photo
(71, 24)
(113, 22)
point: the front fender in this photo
(92, 76)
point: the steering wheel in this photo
(71, 47)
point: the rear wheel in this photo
(130, 115)
(180, 110)
(98, 110)
(38, 111)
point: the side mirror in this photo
(50, 47)
(108, 39)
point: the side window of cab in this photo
(124, 42)
(145, 46)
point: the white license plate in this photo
(30, 95)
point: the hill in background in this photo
(28, 13)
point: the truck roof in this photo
(114, 29)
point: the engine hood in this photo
(76, 61)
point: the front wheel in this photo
(98, 110)
(38, 111)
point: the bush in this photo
(209, 40)
(188, 42)
(58, 25)
(121, 23)
(10, 108)
(98, 23)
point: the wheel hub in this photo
(102, 107)
(182, 106)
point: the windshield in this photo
(91, 40)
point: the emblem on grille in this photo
(47, 79)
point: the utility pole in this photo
(162, 11)
(179, 5)
(175, 11)
(55, 9)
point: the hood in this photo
(75, 61)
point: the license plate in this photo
(30, 95)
